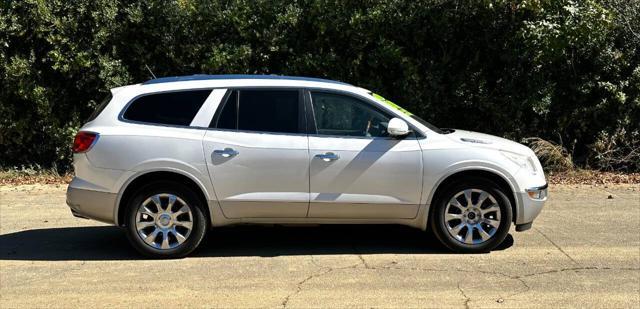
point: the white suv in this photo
(172, 157)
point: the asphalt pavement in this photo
(583, 250)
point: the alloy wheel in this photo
(164, 221)
(472, 216)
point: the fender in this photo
(461, 167)
(473, 166)
(166, 166)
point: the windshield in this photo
(406, 112)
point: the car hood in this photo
(488, 141)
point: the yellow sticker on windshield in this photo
(391, 104)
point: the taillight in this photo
(83, 141)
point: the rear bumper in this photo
(91, 204)
(529, 208)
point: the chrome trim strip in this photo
(544, 187)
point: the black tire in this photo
(439, 225)
(195, 204)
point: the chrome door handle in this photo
(226, 153)
(328, 157)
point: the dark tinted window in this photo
(228, 118)
(171, 108)
(100, 107)
(262, 110)
(343, 115)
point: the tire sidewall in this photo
(438, 224)
(193, 202)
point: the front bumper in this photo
(529, 208)
(91, 204)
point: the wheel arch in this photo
(139, 180)
(495, 176)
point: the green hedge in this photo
(567, 71)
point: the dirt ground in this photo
(584, 250)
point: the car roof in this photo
(204, 77)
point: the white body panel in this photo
(268, 177)
(276, 178)
(372, 178)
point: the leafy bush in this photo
(557, 69)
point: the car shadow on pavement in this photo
(110, 243)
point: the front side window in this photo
(408, 113)
(347, 116)
(169, 108)
(275, 111)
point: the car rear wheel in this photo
(165, 220)
(472, 216)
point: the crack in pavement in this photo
(556, 245)
(520, 278)
(299, 285)
(467, 299)
(364, 263)
(285, 302)
(355, 250)
(572, 269)
(527, 288)
(497, 273)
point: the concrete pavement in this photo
(584, 250)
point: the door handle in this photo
(226, 153)
(328, 157)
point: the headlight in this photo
(521, 160)
(538, 193)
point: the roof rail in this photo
(236, 76)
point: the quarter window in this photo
(169, 108)
(275, 111)
(100, 107)
(347, 116)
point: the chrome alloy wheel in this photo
(164, 221)
(472, 216)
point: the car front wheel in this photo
(165, 220)
(472, 216)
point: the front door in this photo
(257, 155)
(356, 169)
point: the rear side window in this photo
(229, 116)
(100, 107)
(170, 108)
(276, 111)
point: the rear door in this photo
(358, 170)
(257, 155)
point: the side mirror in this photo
(398, 127)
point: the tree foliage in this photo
(563, 70)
